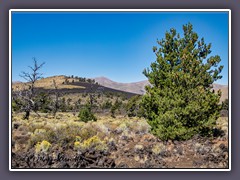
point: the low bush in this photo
(60, 133)
(44, 147)
(86, 114)
(158, 148)
(92, 143)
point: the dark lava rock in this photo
(64, 165)
(197, 164)
(122, 165)
(223, 148)
(16, 125)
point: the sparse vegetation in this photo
(79, 123)
(108, 138)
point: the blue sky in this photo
(117, 45)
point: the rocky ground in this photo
(111, 143)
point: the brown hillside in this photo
(138, 87)
(47, 83)
(73, 87)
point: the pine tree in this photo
(180, 102)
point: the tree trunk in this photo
(27, 114)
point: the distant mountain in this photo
(74, 86)
(14, 82)
(135, 87)
(224, 90)
(138, 87)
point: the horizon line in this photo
(15, 81)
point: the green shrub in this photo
(225, 105)
(116, 107)
(86, 114)
(15, 106)
(133, 107)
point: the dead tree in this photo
(77, 105)
(92, 95)
(56, 98)
(28, 95)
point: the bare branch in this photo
(29, 95)
(35, 75)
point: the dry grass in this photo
(65, 128)
(222, 123)
(47, 83)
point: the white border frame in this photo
(119, 10)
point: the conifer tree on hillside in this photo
(180, 102)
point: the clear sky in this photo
(117, 45)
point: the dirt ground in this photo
(127, 146)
